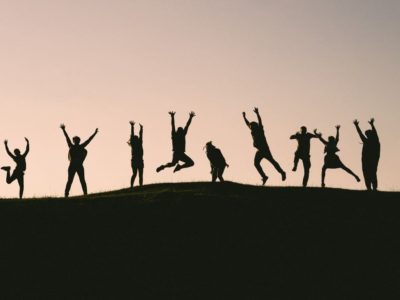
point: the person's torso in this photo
(216, 158)
(371, 149)
(259, 139)
(77, 154)
(331, 148)
(21, 163)
(179, 142)
(304, 144)
(137, 150)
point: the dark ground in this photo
(203, 241)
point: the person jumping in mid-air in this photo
(19, 171)
(303, 152)
(332, 160)
(179, 146)
(136, 144)
(370, 155)
(263, 151)
(217, 162)
(76, 155)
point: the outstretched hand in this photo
(256, 110)
(132, 123)
(172, 113)
(96, 131)
(316, 132)
(244, 114)
(141, 126)
(356, 122)
(371, 121)
(26, 139)
(192, 114)
(5, 142)
(62, 126)
(337, 127)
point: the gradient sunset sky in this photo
(102, 63)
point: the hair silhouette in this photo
(303, 152)
(179, 146)
(217, 162)
(263, 151)
(136, 144)
(370, 154)
(20, 168)
(76, 155)
(332, 160)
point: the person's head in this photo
(303, 129)
(254, 126)
(209, 146)
(180, 130)
(76, 140)
(17, 152)
(331, 139)
(369, 134)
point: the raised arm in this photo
(294, 136)
(191, 115)
(337, 133)
(27, 148)
(319, 136)
(172, 114)
(132, 132)
(8, 150)
(90, 138)
(62, 126)
(362, 136)
(141, 132)
(245, 120)
(372, 123)
(258, 116)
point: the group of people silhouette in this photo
(180, 160)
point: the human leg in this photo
(141, 176)
(307, 166)
(188, 162)
(277, 167)
(133, 178)
(21, 185)
(257, 163)
(81, 175)
(71, 175)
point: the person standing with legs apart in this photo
(179, 146)
(332, 160)
(303, 151)
(136, 144)
(19, 171)
(217, 162)
(76, 155)
(370, 155)
(263, 151)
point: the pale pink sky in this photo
(102, 63)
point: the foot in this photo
(264, 180)
(358, 179)
(294, 169)
(6, 168)
(323, 185)
(177, 168)
(159, 169)
(283, 176)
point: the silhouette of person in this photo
(179, 146)
(370, 155)
(332, 160)
(217, 162)
(136, 144)
(76, 155)
(19, 171)
(303, 151)
(263, 151)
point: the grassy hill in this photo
(203, 241)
